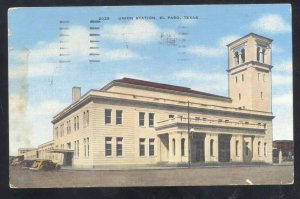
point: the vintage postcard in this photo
(122, 96)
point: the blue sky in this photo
(41, 86)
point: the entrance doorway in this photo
(224, 148)
(198, 148)
(68, 157)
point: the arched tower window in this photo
(265, 149)
(263, 55)
(211, 147)
(236, 148)
(182, 146)
(240, 97)
(243, 55)
(258, 148)
(174, 146)
(236, 57)
(236, 79)
(258, 53)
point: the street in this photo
(235, 175)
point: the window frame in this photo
(119, 146)
(142, 119)
(151, 147)
(108, 146)
(142, 147)
(107, 117)
(151, 119)
(119, 118)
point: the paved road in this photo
(167, 177)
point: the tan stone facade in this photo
(135, 122)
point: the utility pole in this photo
(189, 137)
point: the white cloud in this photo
(271, 23)
(206, 82)
(212, 51)
(136, 32)
(43, 59)
(284, 99)
(284, 66)
(282, 80)
(30, 125)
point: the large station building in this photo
(136, 122)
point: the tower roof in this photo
(248, 35)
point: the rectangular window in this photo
(119, 146)
(74, 123)
(151, 147)
(78, 148)
(84, 119)
(118, 117)
(77, 122)
(87, 118)
(142, 119)
(88, 147)
(84, 142)
(108, 146)
(107, 116)
(151, 119)
(171, 116)
(142, 146)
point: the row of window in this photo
(86, 147)
(119, 146)
(259, 77)
(247, 150)
(119, 117)
(108, 146)
(261, 96)
(75, 124)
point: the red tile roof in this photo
(165, 86)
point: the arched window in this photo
(243, 55)
(173, 146)
(236, 79)
(182, 146)
(258, 53)
(258, 148)
(237, 148)
(265, 149)
(242, 77)
(240, 97)
(211, 147)
(247, 148)
(263, 55)
(236, 58)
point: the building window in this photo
(258, 53)
(88, 146)
(74, 123)
(87, 118)
(258, 148)
(242, 77)
(182, 146)
(263, 55)
(211, 147)
(237, 148)
(265, 149)
(236, 58)
(84, 142)
(151, 147)
(151, 119)
(247, 148)
(108, 146)
(56, 131)
(240, 96)
(84, 124)
(119, 146)
(69, 145)
(142, 119)
(142, 146)
(107, 116)
(243, 55)
(77, 122)
(174, 147)
(171, 116)
(236, 79)
(119, 116)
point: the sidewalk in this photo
(172, 166)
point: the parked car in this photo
(27, 164)
(44, 165)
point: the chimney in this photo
(76, 94)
